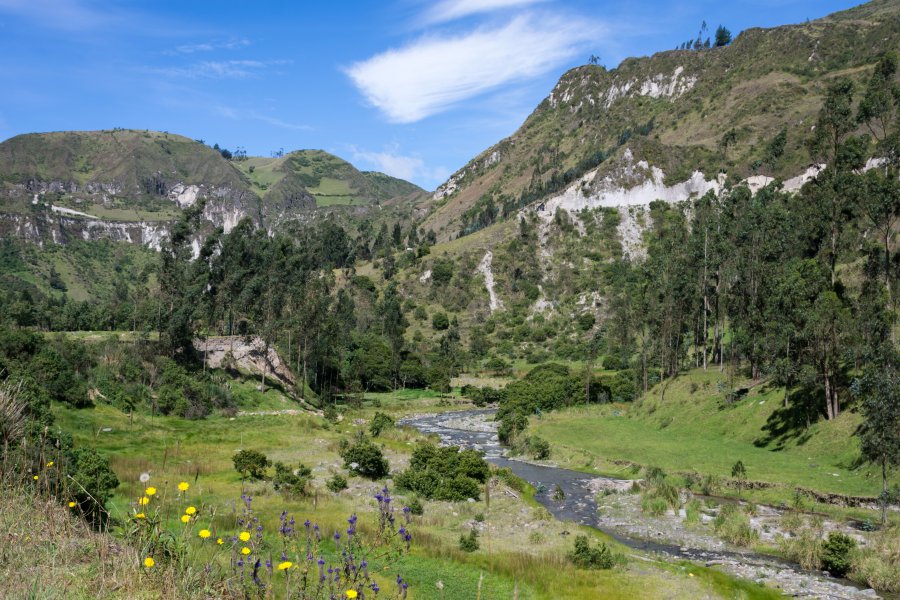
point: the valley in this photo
(644, 347)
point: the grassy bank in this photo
(688, 426)
(522, 550)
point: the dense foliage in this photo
(444, 473)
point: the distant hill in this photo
(709, 110)
(126, 185)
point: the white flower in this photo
(144, 478)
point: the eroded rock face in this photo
(245, 354)
(55, 227)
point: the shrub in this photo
(586, 321)
(252, 464)
(292, 482)
(588, 557)
(440, 321)
(539, 448)
(415, 507)
(379, 423)
(613, 363)
(837, 553)
(365, 458)
(444, 473)
(469, 543)
(336, 483)
(498, 366)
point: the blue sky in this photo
(408, 87)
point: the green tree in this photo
(251, 463)
(879, 434)
(723, 36)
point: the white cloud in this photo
(410, 168)
(449, 10)
(210, 46)
(437, 72)
(224, 69)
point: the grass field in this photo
(693, 430)
(522, 551)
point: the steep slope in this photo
(712, 110)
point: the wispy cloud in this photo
(391, 162)
(436, 72)
(223, 69)
(210, 46)
(69, 15)
(450, 10)
(235, 113)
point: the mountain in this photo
(743, 109)
(127, 185)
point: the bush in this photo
(586, 321)
(837, 553)
(365, 458)
(252, 464)
(444, 473)
(440, 321)
(613, 363)
(292, 482)
(416, 508)
(539, 448)
(587, 557)
(498, 366)
(379, 423)
(469, 543)
(336, 483)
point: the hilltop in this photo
(743, 109)
(127, 185)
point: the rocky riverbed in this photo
(609, 505)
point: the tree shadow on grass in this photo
(792, 423)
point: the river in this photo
(476, 429)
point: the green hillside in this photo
(715, 109)
(330, 180)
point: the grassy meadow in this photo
(523, 550)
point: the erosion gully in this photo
(476, 429)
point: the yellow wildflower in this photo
(285, 565)
(71, 505)
(35, 477)
(351, 594)
(245, 550)
(204, 533)
(185, 518)
(144, 501)
(190, 510)
(149, 562)
(219, 541)
(244, 536)
(183, 486)
(50, 464)
(150, 491)
(140, 516)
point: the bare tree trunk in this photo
(705, 297)
(828, 404)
